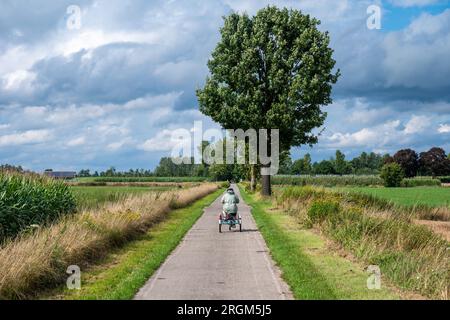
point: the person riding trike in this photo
(229, 215)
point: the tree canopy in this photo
(270, 71)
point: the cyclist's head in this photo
(230, 190)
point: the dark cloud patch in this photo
(411, 64)
(29, 22)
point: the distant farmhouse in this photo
(63, 175)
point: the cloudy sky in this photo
(111, 92)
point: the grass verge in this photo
(91, 197)
(122, 273)
(39, 260)
(410, 256)
(308, 266)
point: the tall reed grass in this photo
(348, 180)
(411, 256)
(38, 261)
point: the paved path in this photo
(209, 265)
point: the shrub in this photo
(225, 184)
(328, 180)
(320, 210)
(30, 200)
(410, 255)
(444, 179)
(392, 175)
(418, 182)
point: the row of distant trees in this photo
(365, 163)
(11, 168)
(434, 162)
(112, 172)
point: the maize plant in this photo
(28, 200)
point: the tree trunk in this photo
(253, 178)
(266, 185)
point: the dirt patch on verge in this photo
(440, 227)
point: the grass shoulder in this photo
(308, 265)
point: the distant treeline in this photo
(434, 162)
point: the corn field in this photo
(38, 260)
(27, 201)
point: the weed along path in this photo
(214, 266)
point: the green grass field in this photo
(431, 196)
(92, 197)
(140, 179)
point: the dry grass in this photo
(440, 227)
(410, 255)
(133, 184)
(39, 260)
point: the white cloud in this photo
(444, 128)
(76, 142)
(19, 79)
(417, 124)
(35, 111)
(324, 9)
(91, 39)
(75, 114)
(417, 57)
(161, 142)
(27, 137)
(153, 102)
(412, 3)
(428, 25)
(375, 136)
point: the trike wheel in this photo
(220, 228)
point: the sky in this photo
(108, 89)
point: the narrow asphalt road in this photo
(208, 265)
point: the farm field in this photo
(140, 179)
(431, 196)
(93, 197)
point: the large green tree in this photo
(270, 71)
(302, 166)
(341, 166)
(434, 162)
(408, 160)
